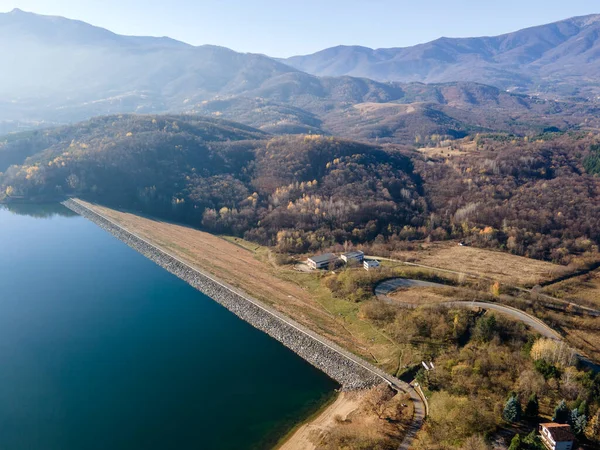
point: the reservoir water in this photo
(102, 349)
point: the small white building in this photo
(324, 261)
(557, 436)
(371, 264)
(353, 257)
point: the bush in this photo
(547, 370)
(379, 312)
(485, 328)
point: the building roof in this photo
(559, 432)
(372, 262)
(355, 254)
(322, 258)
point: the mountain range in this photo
(561, 57)
(63, 70)
(75, 69)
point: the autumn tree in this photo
(592, 431)
(377, 401)
(476, 442)
(553, 352)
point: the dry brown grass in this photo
(583, 290)
(582, 333)
(420, 295)
(370, 419)
(441, 152)
(393, 108)
(503, 267)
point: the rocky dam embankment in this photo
(347, 369)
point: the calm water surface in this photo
(102, 349)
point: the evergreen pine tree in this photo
(532, 408)
(579, 424)
(512, 410)
(532, 441)
(515, 444)
(561, 413)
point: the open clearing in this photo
(582, 333)
(419, 295)
(502, 267)
(441, 152)
(583, 290)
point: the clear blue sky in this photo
(289, 27)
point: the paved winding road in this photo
(386, 287)
(389, 286)
(573, 306)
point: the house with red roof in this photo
(557, 436)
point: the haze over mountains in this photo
(64, 70)
(76, 69)
(559, 57)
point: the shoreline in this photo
(302, 436)
(323, 408)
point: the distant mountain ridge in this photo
(561, 56)
(61, 30)
(74, 70)
(64, 71)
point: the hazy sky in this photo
(285, 28)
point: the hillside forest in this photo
(533, 196)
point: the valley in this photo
(418, 227)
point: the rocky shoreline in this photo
(347, 369)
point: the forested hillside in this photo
(298, 192)
(538, 197)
